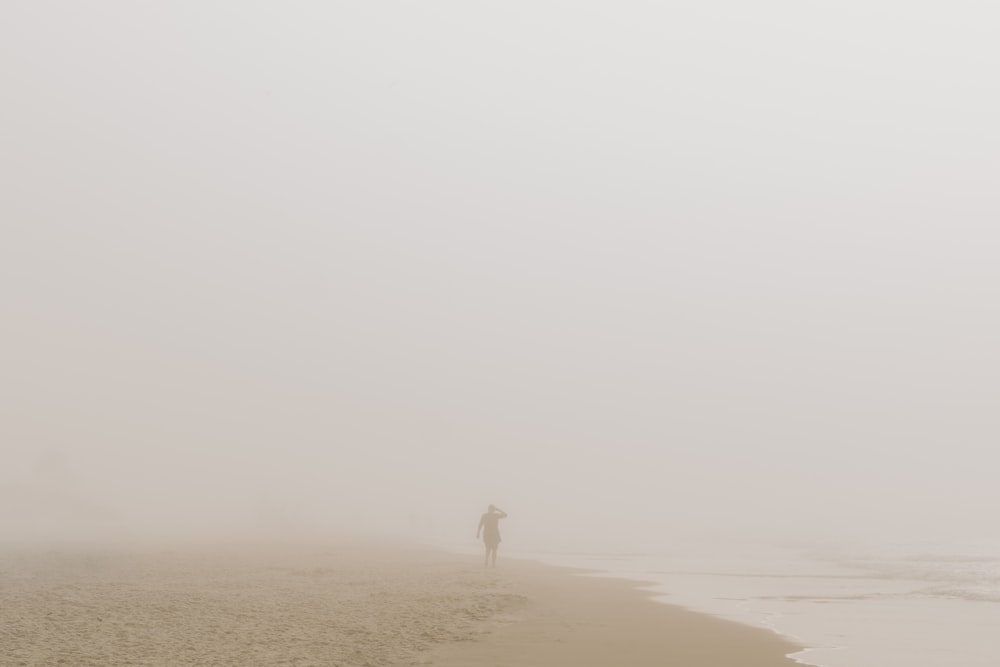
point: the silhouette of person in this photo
(489, 526)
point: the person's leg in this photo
(486, 559)
(494, 554)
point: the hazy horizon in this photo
(631, 272)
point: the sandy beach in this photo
(570, 618)
(343, 605)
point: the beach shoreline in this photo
(584, 617)
(345, 604)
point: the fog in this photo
(635, 272)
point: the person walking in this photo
(489, 526)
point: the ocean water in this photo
(913, 604)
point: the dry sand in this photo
(343, 605)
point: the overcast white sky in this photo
(625, 269)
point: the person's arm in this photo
(482, 520)
(503, 515)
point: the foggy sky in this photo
(630, 271)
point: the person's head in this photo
(492, 508)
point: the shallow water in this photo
(915, 604)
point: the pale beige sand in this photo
(333, 605)
(584, 621)
(342, 605)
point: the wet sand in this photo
(583, 621)
(342, 605)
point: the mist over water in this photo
(637, 274)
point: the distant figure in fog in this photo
(489, 526)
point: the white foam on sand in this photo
(926, 609)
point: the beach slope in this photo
(342, 605)
(568, 619)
